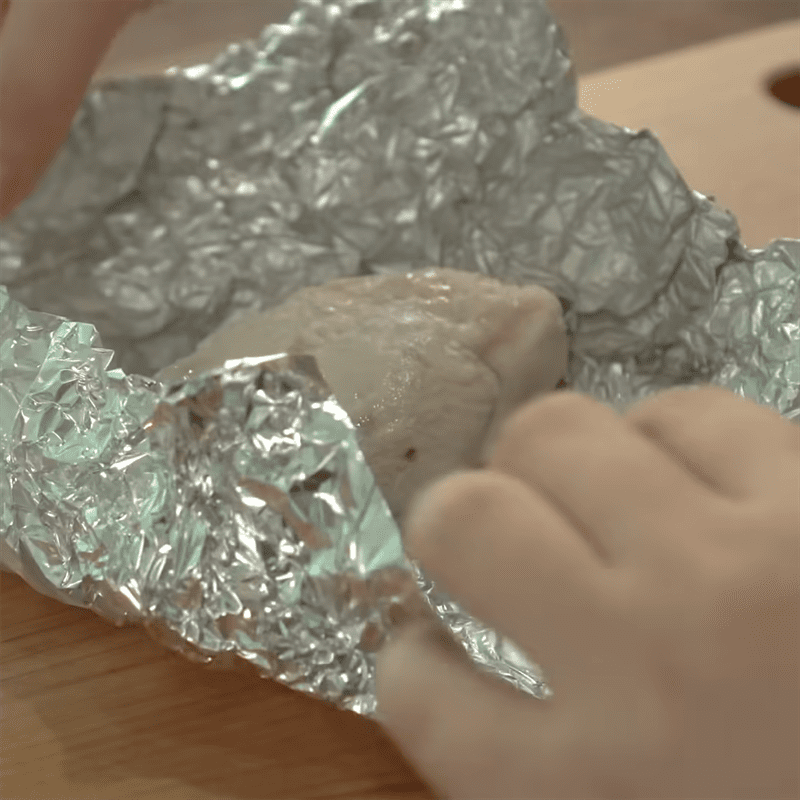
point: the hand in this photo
(649, 563)
(49, 50)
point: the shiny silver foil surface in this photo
(234, 515)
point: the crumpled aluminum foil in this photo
(234, 515)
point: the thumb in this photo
(467, 734)
(49, 50)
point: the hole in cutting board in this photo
(785, 86)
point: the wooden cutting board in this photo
(90, 712)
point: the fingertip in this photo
(395, 685)
(464, 732)
(417, 519)
(434, 505)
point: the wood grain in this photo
(91, 712)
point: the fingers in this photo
(599, 472)
(728, 443)
(469, 736)
(50, 50)
(515, 564)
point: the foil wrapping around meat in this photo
(234, 515)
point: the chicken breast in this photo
(426, 364)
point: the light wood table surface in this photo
(724, 132)
(91, 712)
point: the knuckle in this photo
(668, 399)
(672, 414)
(553, 413)
(469, 497)
(450, 507)
(664, 404)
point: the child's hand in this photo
(650, 563)
(49, 50)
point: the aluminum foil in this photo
(234, 515)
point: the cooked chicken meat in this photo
(426, 364)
